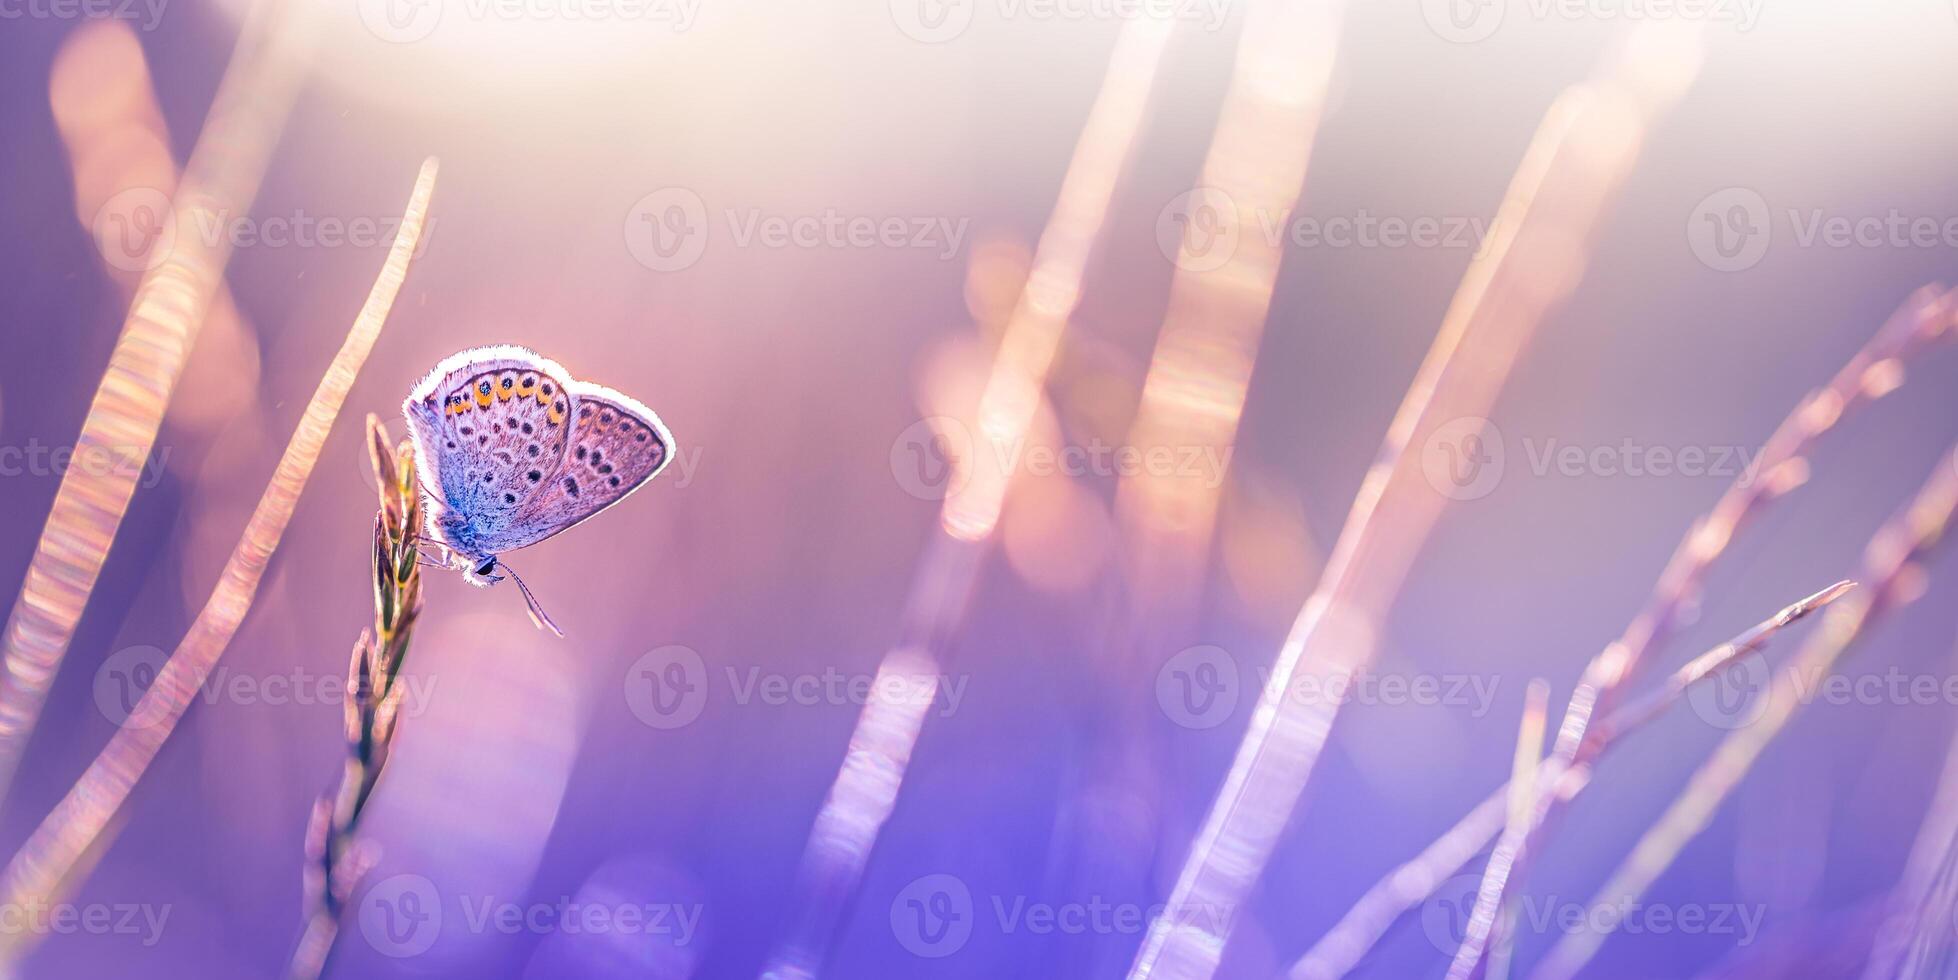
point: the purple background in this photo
(790, 546)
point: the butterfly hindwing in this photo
(491, 426)
(615, 445)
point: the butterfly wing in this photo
(616, 444)
(490, 425)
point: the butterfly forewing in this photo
(615, 445)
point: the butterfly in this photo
(512, 449)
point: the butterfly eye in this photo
(483, 388)
(507, 383)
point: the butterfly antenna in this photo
(538, 616)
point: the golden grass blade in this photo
(1193, 394)
(169, 309)
(1890, 566)
(866, 785)
(47, 861)
(1551, 211)
(336, 858)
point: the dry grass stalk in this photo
(222, 176)
(1562, 782)
(1556, 201)
(336, 861)
(1923, 319)
(1784, 464)
(1892, 569)
(49, 860)
(866, 786)
(1523, 768)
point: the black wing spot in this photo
(533, 449)
(641, 437)
(581, 452)
(534, 476)
(509, 498)
(585, 413)
(452, 443)
(607, 468)
(597, 456)
(528, 428)
(605, 419)
(487, 477)
(505, 457)
(547, 388)
(482, 440)
(615, 481)
(467, 431)
(571, 486)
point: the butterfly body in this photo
(511, 450)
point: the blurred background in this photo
(797, 232)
